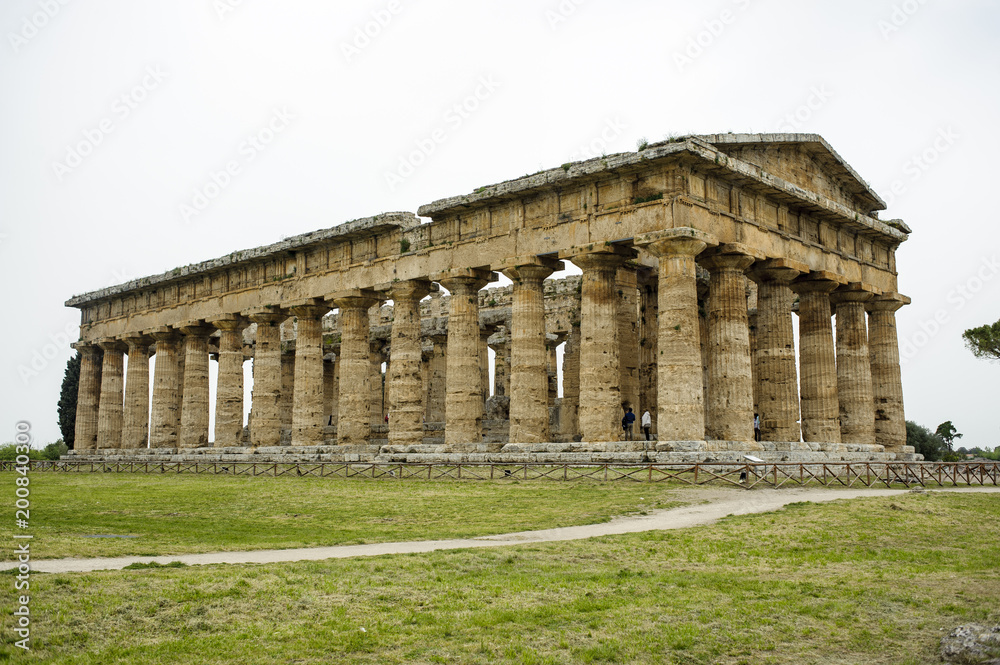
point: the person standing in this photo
(756, 427)
(627, 422)
(647, 423)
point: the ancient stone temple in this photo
(696, 255)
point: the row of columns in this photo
(850, 386)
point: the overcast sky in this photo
(120, 119)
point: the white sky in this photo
(228, 69)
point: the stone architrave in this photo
(529, 390)
(229, 386)
(135, 419)
(88, 397)
(307, 402)
(195, 409)
(600, 367)
(887, 382)
(465, 388)
(854, 378)
(110, 411)
(354, 405)
(165, 417)
(777, 376)
(627, 316)
(406, 395)
(817, 363)
(730, 371)
(680, 392)
(265, 416)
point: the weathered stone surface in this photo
(307, 404)
(229, 388)
(854, 379)
(109, 415)
(972, 643)
(817, 363)
(195, 406)
(88, 397)
(405, 385)
(135, 419)
(265, 417)
(354, 420)
(887, 381)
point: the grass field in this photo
(865, 581)
(178, 514)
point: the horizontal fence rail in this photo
(749, 476)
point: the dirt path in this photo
(718, 504)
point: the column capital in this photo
(271, 314)
(410, 289)
(162, 334)
(854, 292)
(229, 322)
(469, 279)
(683, 241)
(196, 328)
(818, 281)
(730, 256)
(780, 271)
(86, 347)
(112, 344)
(310, 308)
(888, 302)
(354, 299)
(599, 260)
(137, 341)
(531, 268)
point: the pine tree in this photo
(67, 400)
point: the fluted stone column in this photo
(229, 385)
(406, 398)
(887, 382)
(817, 363)
(484, 366)
(307, 402)
(465, 387)
(88, 397)
(378, 383)
(571, 382)
(501, 362)
(165, 418)
(627, 314)
(680, 393)
(854, 378)
(552, 343)
(529, 391)
(437, 380)
(109, 414)
(330, 381)
(648, 337)
(776, 376)
(354, 407)
(286, 398)
(265, 415)
(135, 420)
(195, 409)
(730, 375)
(600, 368)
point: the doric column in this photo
(265, 416)
(680, 394)
(88, 397)
(776, 376)
(854, 369)
(195, 408)
(165, 418)
(330, 386)
(406, 398)
(286, 398)
(887, 382)
(437, 379)
(627, 315)
(552, 342)
(465, 387)
(730, 374)
(484, 365)
(529, 407)
(648, 337)
(500, 343)
(307, 400)
(817, 363)
(354, 408)
(600, 367)
(377, 382)
(229, 385)
(135, 420)
(109, 414)
(570, 420)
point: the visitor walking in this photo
(647, 423)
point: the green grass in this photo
(186, 513)
(867, 581)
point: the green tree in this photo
(67, 400)
(984, 341)
(926, 442)
(948, 434)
